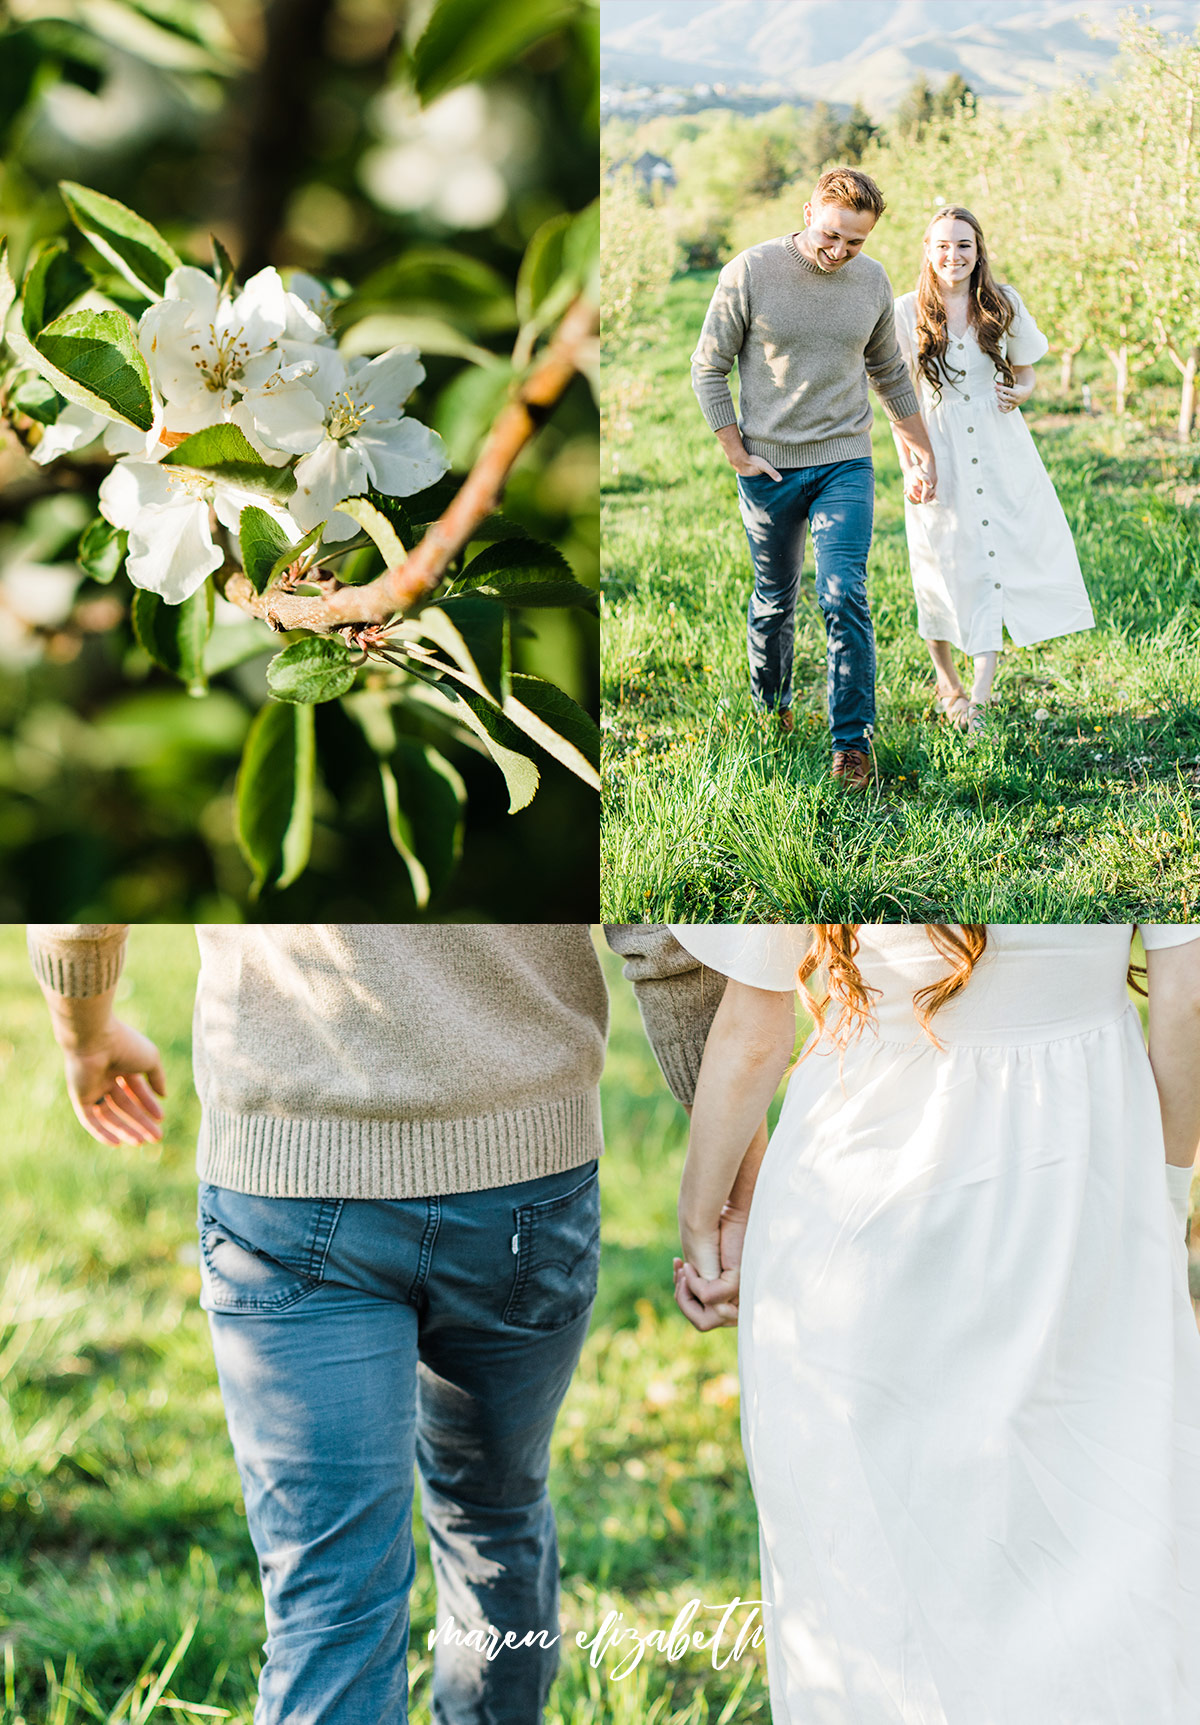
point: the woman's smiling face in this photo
(952, 250)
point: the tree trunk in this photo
(1067, 366)
(1187, 398)
(1120, 360)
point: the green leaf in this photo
(102, 549)
(224, 452)
(525, 571)
(275, 794)
(581, 251)
(52, 282)
(98, 351)
(19, 65)
(469, 39)
(175, 636)
(561, 713)
(318, 668)
(502, 740)
(264, 545)
(130, 244)
(381, 330)
(467, 406)
(286, 558)
(437, 282)
(224, 272)
(39, 399)
(376, 523)
(8, 287)
(542, 267)
(482, 625)
(425, 799)
(233, 643)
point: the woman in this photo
(970, 1369)
(994, 549)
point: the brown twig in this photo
(404, 587)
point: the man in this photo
(399, 1222)
(808, 320)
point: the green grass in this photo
(1089, 814)
(122, 1536)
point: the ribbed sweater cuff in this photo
(810, 454)
(680, 1063)
(72, 960)
(900, 406)
(719, 414)
(277, 1157)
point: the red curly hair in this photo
(835, 951)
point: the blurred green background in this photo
(288, 129)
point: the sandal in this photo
(952, 708)
(977, 721)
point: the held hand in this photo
(920, 484)
(749, 465)
(113, 1084)
(706, 1286)
(1011, 395)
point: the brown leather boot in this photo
(852, 769)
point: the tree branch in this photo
(406, 586)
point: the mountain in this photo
(869, 50)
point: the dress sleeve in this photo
(763, 956)
(1159, 934)
(1025, 342)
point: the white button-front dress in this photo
(970, 1368)
(993, 550)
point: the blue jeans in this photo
(838, 500)
(354, 1338)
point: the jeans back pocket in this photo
(260, 1254)
(558, 1258)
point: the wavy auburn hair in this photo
(835, 951)
(989, 310)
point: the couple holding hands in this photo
(808, 319)
(970, 1369)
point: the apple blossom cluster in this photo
(263, 360)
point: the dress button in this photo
(966, 398)
(970, 428)
(985, 524)
(997, 584)
(974, 461)
(979, 491)
(992, 554)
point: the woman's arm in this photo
(1012, 395)
(746, 1055)
(1173, 982)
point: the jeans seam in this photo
(328, 1216)
(433, 1221)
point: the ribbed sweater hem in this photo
(274, 1156)
(810, 454)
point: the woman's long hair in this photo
(989, 310)
(835, 951)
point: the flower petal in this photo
(286, 416)
(403, 457)
(385, 383)
(132, 487)
(171, 550)
(74, 428)
(323, 479)
(196, 288)
(260, 310)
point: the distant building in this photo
(654, 171)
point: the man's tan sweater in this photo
(805, 341)
(393, 1060)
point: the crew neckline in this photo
(813, 269)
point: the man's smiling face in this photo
(835, 234)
